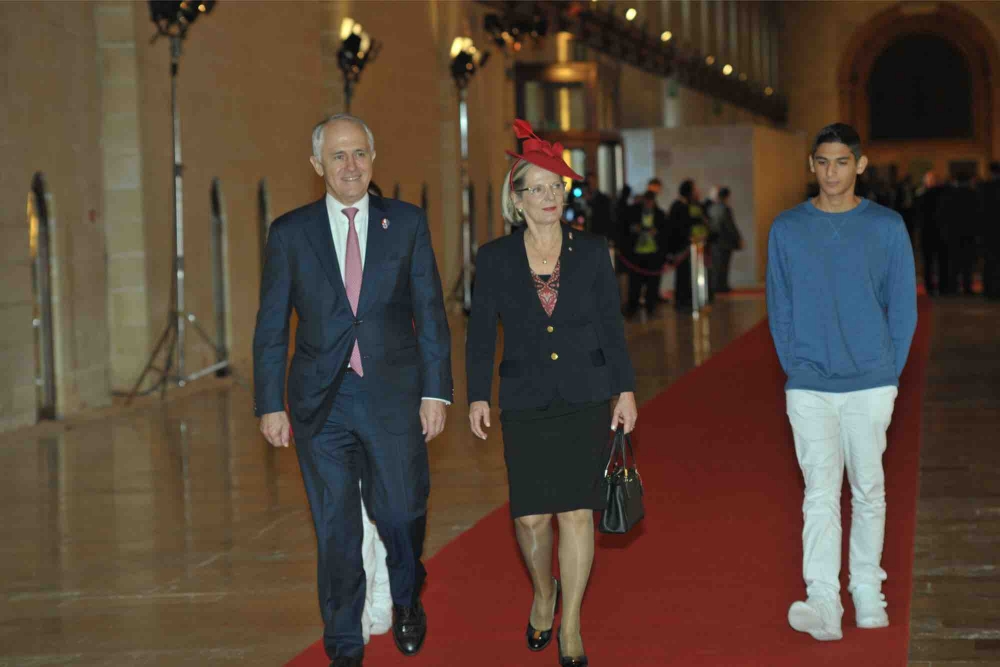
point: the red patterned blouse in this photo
(548, 289)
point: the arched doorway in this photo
(40, 239)
(952, 34)
(908, 105)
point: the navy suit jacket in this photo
(400, 325)
(578, 354)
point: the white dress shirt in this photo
(338, 227)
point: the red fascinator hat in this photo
(540, 153)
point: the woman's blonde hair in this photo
(508, 209)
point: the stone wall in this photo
(50, 123)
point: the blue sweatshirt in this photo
(841, 296)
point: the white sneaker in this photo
(817, 616)
(869, 607)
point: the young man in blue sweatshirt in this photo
(841, 300)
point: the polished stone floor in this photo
(955, 620)
(171, 534)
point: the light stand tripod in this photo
(173, 337)
(465, 61)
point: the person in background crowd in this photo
(655, 186)
(842, 309)
(990, 207)
(685, 214)
(958, 209)
(621, 232)
(905, 203)
(726, 239)
(647, 243)
(599, 205)
(932, 244)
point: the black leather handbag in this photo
(622, 487)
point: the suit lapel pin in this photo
(571, 236)
(385, 223)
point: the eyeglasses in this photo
(538, 191)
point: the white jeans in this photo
(833, 432)
(377, 615)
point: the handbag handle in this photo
(620, 442)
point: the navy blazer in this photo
(578, 353)
(400, 326)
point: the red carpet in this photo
(708, 579)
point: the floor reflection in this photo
(173, 535)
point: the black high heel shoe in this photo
(567, 661)
(539, 639)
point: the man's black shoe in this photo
(409, 627)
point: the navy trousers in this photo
(395, 481)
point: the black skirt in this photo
(556, 456)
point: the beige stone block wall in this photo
(408, 97)
(121, 165)
(250, 88)
(252, 83)
(779, 183)
(815, 36)
(50, 123)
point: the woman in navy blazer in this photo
(564, 359)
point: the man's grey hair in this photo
(317, 135)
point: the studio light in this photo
(357, 49)
(466, 59)
(666, 36)
(727, 69)
(631, 14)
(710, 60)
(173, 17)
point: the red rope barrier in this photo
(668, 265)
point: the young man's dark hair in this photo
(723, 193)
(649, 196)
(686, 189)
(839, 133)
(654, 181)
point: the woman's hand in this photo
(479, 418)
(625, 412)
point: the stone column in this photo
(128, 307)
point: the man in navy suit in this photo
(369, 381)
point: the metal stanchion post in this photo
(695, 308)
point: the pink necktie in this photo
(352, 278)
